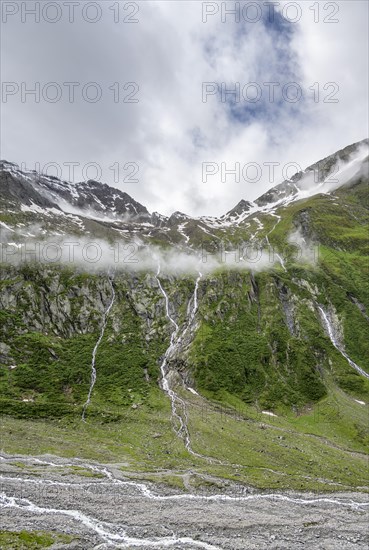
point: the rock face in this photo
(288, 306)
(16, 189)
(250, 335)
(314, 175)
(47, 305)
(94, 208)
(178, 217)
(49, 192)
(240, 208)
(255, 334)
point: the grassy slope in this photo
(316, 450)
(244, 360)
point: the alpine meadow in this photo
(184, 380)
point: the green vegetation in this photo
(316, 448)
(259, 345)
(252, 350)
(31, 540)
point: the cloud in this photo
(171, 132)
(98, 255)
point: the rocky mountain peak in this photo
(178, 217)
(240, 208)
(89, 197)
(320, 177)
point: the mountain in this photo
(92, 208)
(343, 167)
(37, 190)
(247, 333)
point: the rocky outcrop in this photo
(287, 306)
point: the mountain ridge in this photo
(194, 354)
(100, 198)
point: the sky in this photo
(185, 105)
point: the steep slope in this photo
(31, 188)
(283, 334)
(55, 207)
(342, 168)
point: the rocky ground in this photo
(105, 508)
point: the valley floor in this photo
(253, 481)
(99, 506)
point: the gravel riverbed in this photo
(111, 510)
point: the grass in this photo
(259, 345)
(245, 347)
(31, 540)
(173, 481)
(310, 451)
(80, 471)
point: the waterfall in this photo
(281, 262)
(175, 339)
(93, 362)
(195, 301)
(337, 345)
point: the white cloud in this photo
(171, 132)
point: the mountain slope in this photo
(272, 319)
(91, 208)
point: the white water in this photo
(175, 340)
(93, 363)
(281, 262)
(114, 534)
(146, 492)
(337, 345)
(163, 369)
(195, 301)
(176, 401)
(107, 531)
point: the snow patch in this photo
(181, 231)
(6, 226)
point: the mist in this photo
(132, 256)
(344, 173)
